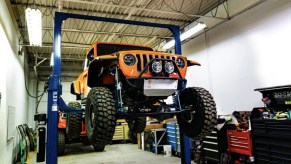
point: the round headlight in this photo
(169, 67)
(180, 63)
(129, 59)
(157, 67)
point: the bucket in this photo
(167, 150)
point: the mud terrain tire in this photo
(137, 125)
(202, 120)
(61, 142)
(100, 117)
(74, 122)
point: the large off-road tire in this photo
(202, 119)
(137, 125)
(29, 133)
(100, 117)
(61, 142)
(74, 122)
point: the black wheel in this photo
(74, 122)
(61, 142)
(137, 125)
(100, 117)
(202, 117)
(132, 137)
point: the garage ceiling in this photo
(78, 35)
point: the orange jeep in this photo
(132, 82)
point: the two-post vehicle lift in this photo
(56, 103)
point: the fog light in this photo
(169, 67)
(156, 67)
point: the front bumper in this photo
(157, 86)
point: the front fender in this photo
(76, 88)
(95, 68)
(192, 63)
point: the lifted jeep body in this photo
(131, 82)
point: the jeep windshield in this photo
(106, 49)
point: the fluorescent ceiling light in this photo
(52, 59)
(33, 19)
(186, 35)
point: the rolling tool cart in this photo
(239, 140)
(215, 145)
(271, 126)
(121, 131)
(241, 144)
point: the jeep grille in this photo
(144, 59)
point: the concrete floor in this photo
(113, 154)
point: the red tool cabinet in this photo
(239, 142)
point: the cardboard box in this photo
(169, 120)
(154, 126)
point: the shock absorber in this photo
(118, 95)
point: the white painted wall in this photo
(250, 51)
(12, 85)
(32, 83)
(3, 120)
(66, 95)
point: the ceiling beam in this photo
(64, 73)
(67, 59)
(144, 9)
(63, 78)
(102, 32)
(72, 10)
(150, 41)
(120, 26)
(63, 45)
(72, 68)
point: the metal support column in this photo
(55, 91)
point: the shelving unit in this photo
(153, 139)
(158, 139)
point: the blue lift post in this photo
(55, 89)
